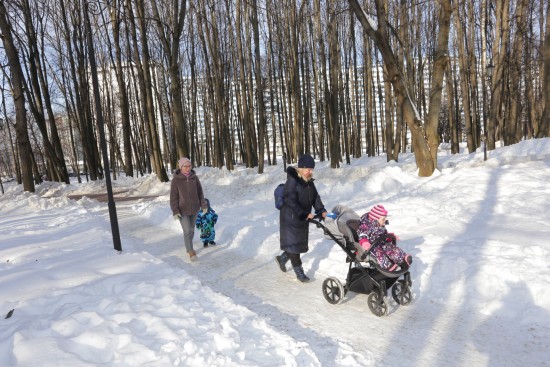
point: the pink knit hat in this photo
(377, 211)
(183, 161)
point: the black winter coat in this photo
(299, 197)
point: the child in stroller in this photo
(375, 239)
(365, 275)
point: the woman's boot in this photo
(281, 261)
(193, 255)
(302, 277)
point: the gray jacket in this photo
(186, 195)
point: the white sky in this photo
(478, 232)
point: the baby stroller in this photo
(364, 274)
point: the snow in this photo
(372, 22)
(478, 231)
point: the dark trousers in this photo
(294, 259)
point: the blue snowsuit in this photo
(205, 223)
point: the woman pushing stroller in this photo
(300, 196)
(372, 231)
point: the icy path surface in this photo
(447, 334)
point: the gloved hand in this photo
(392, 238)
(177, 217)
(332, 215)
(365, 243)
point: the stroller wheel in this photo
(333, 291)
(401, 293)
(378, 305)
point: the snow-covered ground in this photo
(479, 233)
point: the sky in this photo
(478, 232)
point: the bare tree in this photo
(213, 48)
(332, 94)
(215, 81)
(322, 112)
(17, 83)
(544, 127)
(379, 34)
(38, 95)
(117, 10)
(499, 52)
(441, 58)
(464, 66)
(170, 34)
(144, 66)
(262, 134)
(243, 105)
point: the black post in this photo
(100, 123)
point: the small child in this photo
(387, 254)
(205, 222)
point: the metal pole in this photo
(100, 123)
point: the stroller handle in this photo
(317, 220)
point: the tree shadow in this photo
(459, 338)
(229, 270)
(527, 341)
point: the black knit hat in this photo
(306, 161)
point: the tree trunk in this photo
(144, 72)
(122, 94)
(17, 83)
(332, 102)
(379, 35)
(463, 67)
(544, 126)
(500, 47)
(248, 126)
(259, 87)
(170, 36)
(513, 130)
(387, 126)
(323, 115)
(209, 34)
(38, 100)
(441, 58)
(356, 94)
